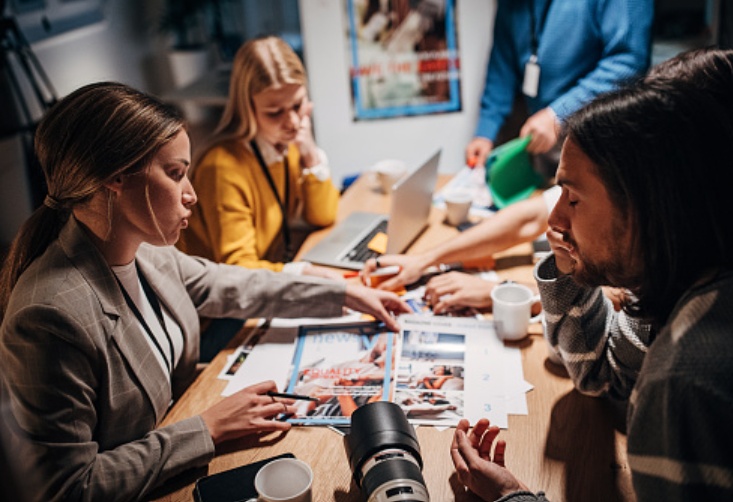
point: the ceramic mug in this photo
(388, 172)
(512, 306)
(284, 480)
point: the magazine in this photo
(344, 367)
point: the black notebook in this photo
(234, 485)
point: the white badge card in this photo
(531, 83)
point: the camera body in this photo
(384, 454)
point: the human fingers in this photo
(306, 107)
(459, 461)
(261, 387)
(277, 408)
(478, 432)
(561, 248)
(499, 452)
(487, 442)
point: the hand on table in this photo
(458, 290)
(413, 268)
(544, 129)
(479, 149)
(377, 303)
(248, 411)
(484, 475)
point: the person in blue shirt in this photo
(550, 57)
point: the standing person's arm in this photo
(503, 78)
(624, 29)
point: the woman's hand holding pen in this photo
(249, 411)
(412, 270)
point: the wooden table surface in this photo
(568, 446)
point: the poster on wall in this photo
(404, 57)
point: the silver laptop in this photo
(346, 245)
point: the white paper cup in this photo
(284, 480)
(388, 172)
(457, 206)
(512, 306)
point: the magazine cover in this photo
(344, 367)
(431, 375)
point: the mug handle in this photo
(536, 318)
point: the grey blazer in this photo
(83, 382)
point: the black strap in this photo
(289, 254)
(153, 299)
(535, 30)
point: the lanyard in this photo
(153, 299)
(283, 205)
(535, 30)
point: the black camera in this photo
(384, 454)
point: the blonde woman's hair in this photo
(90, 137)
(259, 64)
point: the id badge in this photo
(531, 82)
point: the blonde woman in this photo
(100, 329)
(263, 174)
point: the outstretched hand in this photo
(483, 474)
(377, 303)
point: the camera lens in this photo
(384, 454)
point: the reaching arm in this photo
(520, 222)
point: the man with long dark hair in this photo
(645, 204)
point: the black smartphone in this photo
(234, 485)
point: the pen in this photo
(349, 275)
(292, 396)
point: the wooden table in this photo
(569, 445)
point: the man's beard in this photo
(590, 273)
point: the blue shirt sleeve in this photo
(502, 77)
(624, 28)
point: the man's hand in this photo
(457, 290)
(544, 129)
(376, 303)
(564, 261)
(477, 470)
(413, 268)
(479, 149)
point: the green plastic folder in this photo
(509, 173)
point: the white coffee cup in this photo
(457, 205)
(388, 172)
(512, 306)
(284, 480)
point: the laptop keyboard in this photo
(360, 252)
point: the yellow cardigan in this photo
(237, 218)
